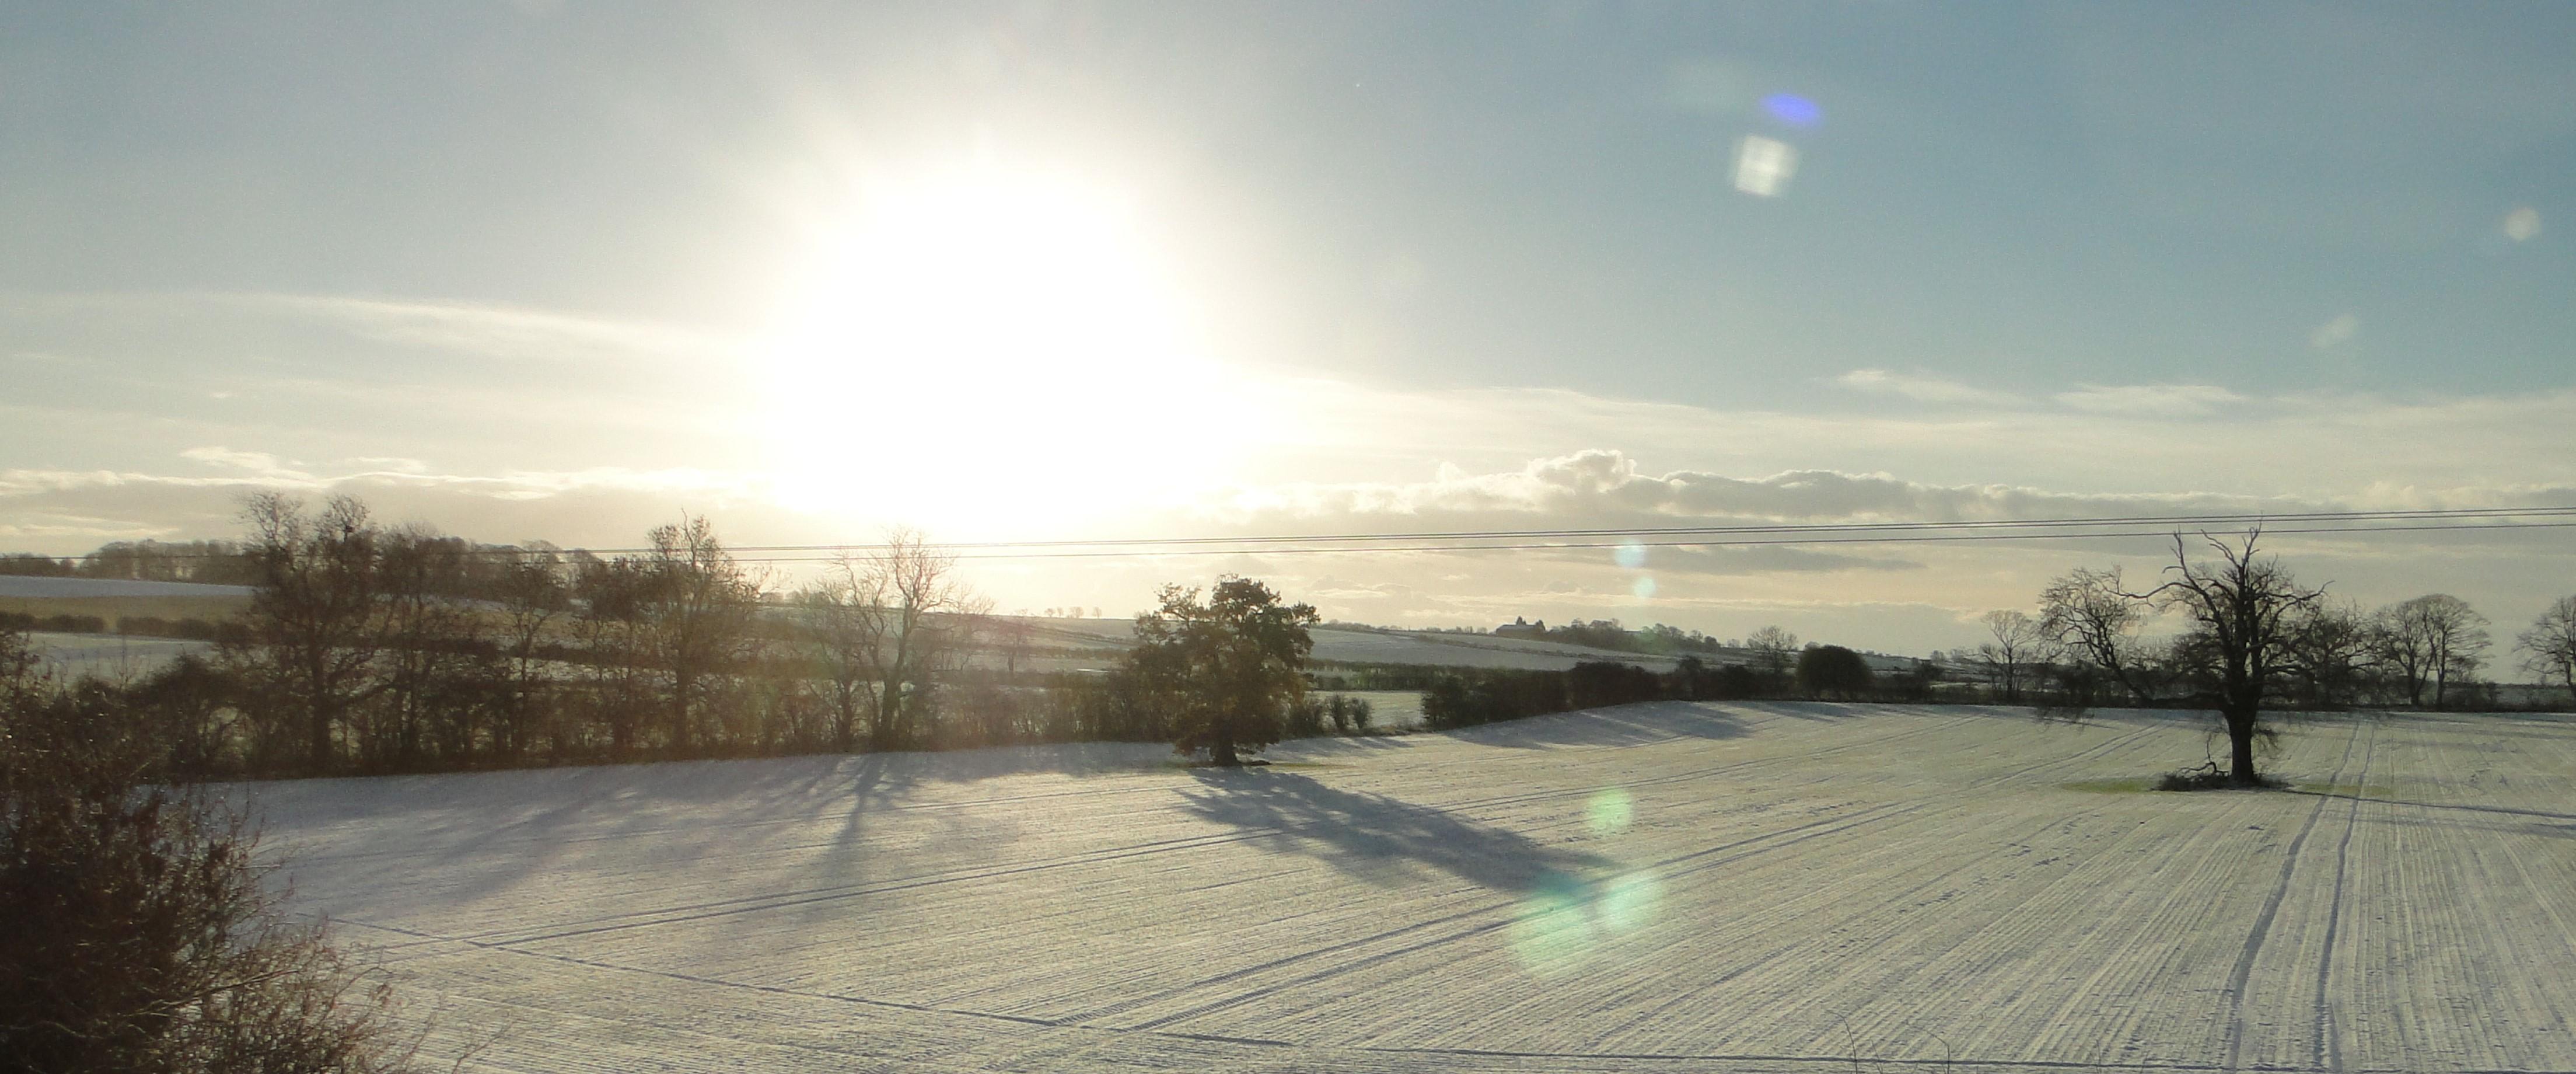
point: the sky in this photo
(1029, 270)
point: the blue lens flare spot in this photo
(1793, 110)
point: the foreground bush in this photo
(138, 936)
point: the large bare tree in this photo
(2330, 652)
(615, 635)
(2243, 608)
(317, 617)
(2017, 646)
(893, 618)
(533, 592)
(701, 604)
(2089, 615)
(2430, 641)
(2549, 647)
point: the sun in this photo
(973, 347)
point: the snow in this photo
(16, 586)
(1670, 886)
(110, 656)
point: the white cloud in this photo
(2334, 333)
(2150, 400)
(258, 463)
(1926, 388)
(394, 463)
(488, 330)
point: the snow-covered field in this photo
(1665, 887)
(59, 588)
(109, 656)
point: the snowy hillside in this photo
(1663, 887)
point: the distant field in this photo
(1667, 887)
(109, 656)
(70, 588)
(113, 600)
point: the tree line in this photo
(2088, 645)
(2254, 639)
(375, 648)
(207, 562)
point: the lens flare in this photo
(1567, 921)
(1763, 165)
(1611, 811)
(1794, 110)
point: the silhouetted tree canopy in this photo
(1232, 664)
(1833, 671)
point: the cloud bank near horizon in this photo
(507, 424)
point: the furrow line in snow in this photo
(1670, 868)
(1666, 869)
(1476, 911)
(345, 857)
(772, 900)
(2329, 1048)
(2244, 971)
(1839, 824)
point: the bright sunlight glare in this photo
(971, 349)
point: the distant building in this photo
(1521, 628)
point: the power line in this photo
(1720, 542)
(1737, 535)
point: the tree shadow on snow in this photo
(1640, 724)
(1380, 839)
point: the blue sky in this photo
(522, 270)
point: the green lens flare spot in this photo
(1612, 810)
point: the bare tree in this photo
(2549, 647)
(2329, 653)
(316, 620)
(901, 615)
(533, 593)
(835, 629)
(2432, 640)
(429, 656)
(2243, 609)
(2018, 644)
(2089, 615)
(1774, 650)
(615, 635)
(701, 605)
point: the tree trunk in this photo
(318, 733)
(318, 739)
(682, 683)
(1221, 749)
(2240, 743)
(888, 710)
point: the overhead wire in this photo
(1723, 535)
